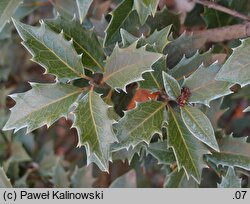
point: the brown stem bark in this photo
(218, 7)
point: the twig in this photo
(224, 33)
(223, 9)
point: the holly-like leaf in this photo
(161, 152)
(199, 125)
(145, 9)
(51, 50)
(233, 152)
(188, 65)
(120, 17)
(82, 177)
(42, 105)
(187, 149)
(172, 86)
(127, 180)
(204, 87)
(230, 180)
(159, 38)
(85, 42)
(186, 45)
(127, 65)
(153, 80)
(142, 10)
(94, 129)
(140, 124)
(83, 7)
(237, 69)
(4, 181)
(7, 9)
(126, 153)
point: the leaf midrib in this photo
(54, 101)
(79, 45)
(175, 120)
(42, 43)
(150, 116)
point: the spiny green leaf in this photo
(140, 124)
(233, 152)
(127, 38)
(187, 149)
(83, 7)
(159, 38)
(145, 9)
(82, 177)
(142, 10)
(186, 45)
(127, 65)
(4, 181)
(188, 65)
(153, 80)
(230, 180)
(204, 87)
(126, 153)
(85, 42)
(172, 86)
(42, 105)
(161, 152)
(237, 69)
(120, 17)
(214, 112)
(127, 180)
(94, 129)
(51, 50)
(7, 9)
(199, 125)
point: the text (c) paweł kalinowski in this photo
(64, 195)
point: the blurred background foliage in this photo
(49, 157)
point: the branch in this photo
(223, 9)
(224, 33)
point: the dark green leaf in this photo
(233, 152)
(199, 125)
(120, 17)
(127, 65)
(237, 69)
(7, 9)
(140, 124)
(84, 41)
(172, 86)
(187, 149)
(42, 105)
(161, 152)
(204, 87)
(51, 50)
(94, 129)
(83, 7)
